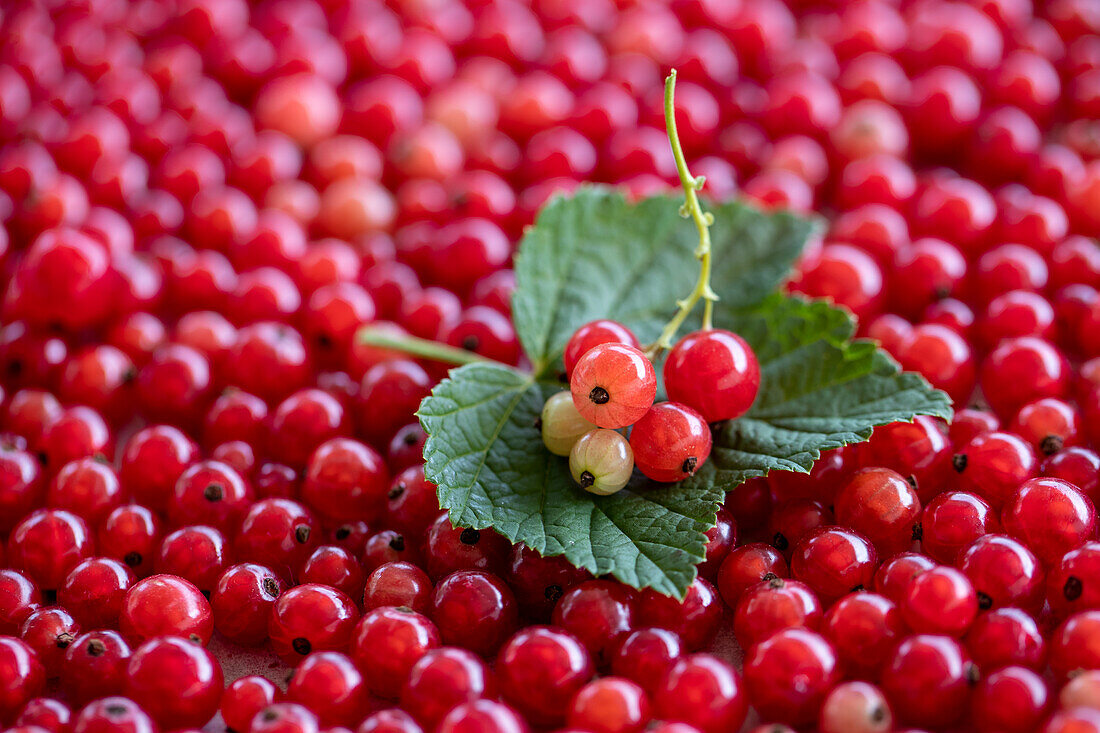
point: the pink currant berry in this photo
(714, 372)
(601, 461)
(670, 442)
(613, 385)
(855, 707)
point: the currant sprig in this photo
(691, 209)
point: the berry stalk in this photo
(415, 346)
(691, 209)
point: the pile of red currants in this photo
(710, 376)
(203, 201)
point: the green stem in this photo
(691, 209)
(416, 346)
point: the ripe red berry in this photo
(593, 334)
(881, 505)
(788, 675)
(1006, 636)
(309, 618)
(703, 691)
(540, 669)
(714, 372)
(165, 604)
(1051, 517)
(613, 385)
(475, 610)
(1003, 573)
(940, 601)
(176, 681)
(670, 442)
(442, 680)
(928, 680)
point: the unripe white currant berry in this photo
(601, 461)
(562, 424)
(855, 707)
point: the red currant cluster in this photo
(710, 376)
(202, 201)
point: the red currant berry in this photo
(695, 619)
(442, 680)
(1013, 700)
(131, 533)
(834, 561)
(771, 606)
(928, 680)
(1076, 644)
(540, 669)
(613, 385)
(47, 544)
(244, 697)
(702, 691)
(993, 464)
(176, 681)
(113, 715)
(881, 505)
(1006, 636)
(242, 601)
(1003, 572)
(952, 521)
(714, 372)
(591, 335)
(670, 442)
(346, 479)
(449, 549)
(609, 705)
(646, 656)
(49, 631)
(19, 596)
(863, 628)
(330, 677)
(1051, 517)
(210, 492)
(152, 461)
(165, 605)
(398, 584)
(475, 610)
(310, 618)
(95, 666)
(747, 565)
(386, 644)
(599, 612)
(940, 601)
(788, 675)
(1071, 583)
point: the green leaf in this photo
(485, 453)
(595, 255)
(818, 391)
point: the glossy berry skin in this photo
(992, 465)
(1079, 466)
(449, 549)
(277, 533)
(131, 533)
(695, 619)
(49, 631)
(834, 561)
(392, 720)
(346, 479)
(1012, 700)
(95, 666)
(598, 612)
(714, 372)
(242, 601)
(474, 610)
(198, 554)
(47, 544)
(1051, 517)
(1006, 636)
(335, 567)
(928, 681)
(1072, 584)
(165, 604)
(646, 656)
(1022, 370)
(211, 493)
(593, 334)
(613, 385)
(670, 442)
(940, 601)
(702, 691)
(953, 520)
(539, 671)
(246, 696)
(398, 584)
(285, 717)
(482, 716)
(538, 582)
(387, 642)
(176, 681)
(19, 596)
(601, 461)
(1003, 572)
(855, 707)
(309, 618)
(113, 715)
(22, 676)
(412, 502)
(747, 565)
(1076, 644)
(609, 705)
(788, 675)
(152, 461)
(443, 679)
(771, 606)
(333, 678)
(863, 628)
(882, 506)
